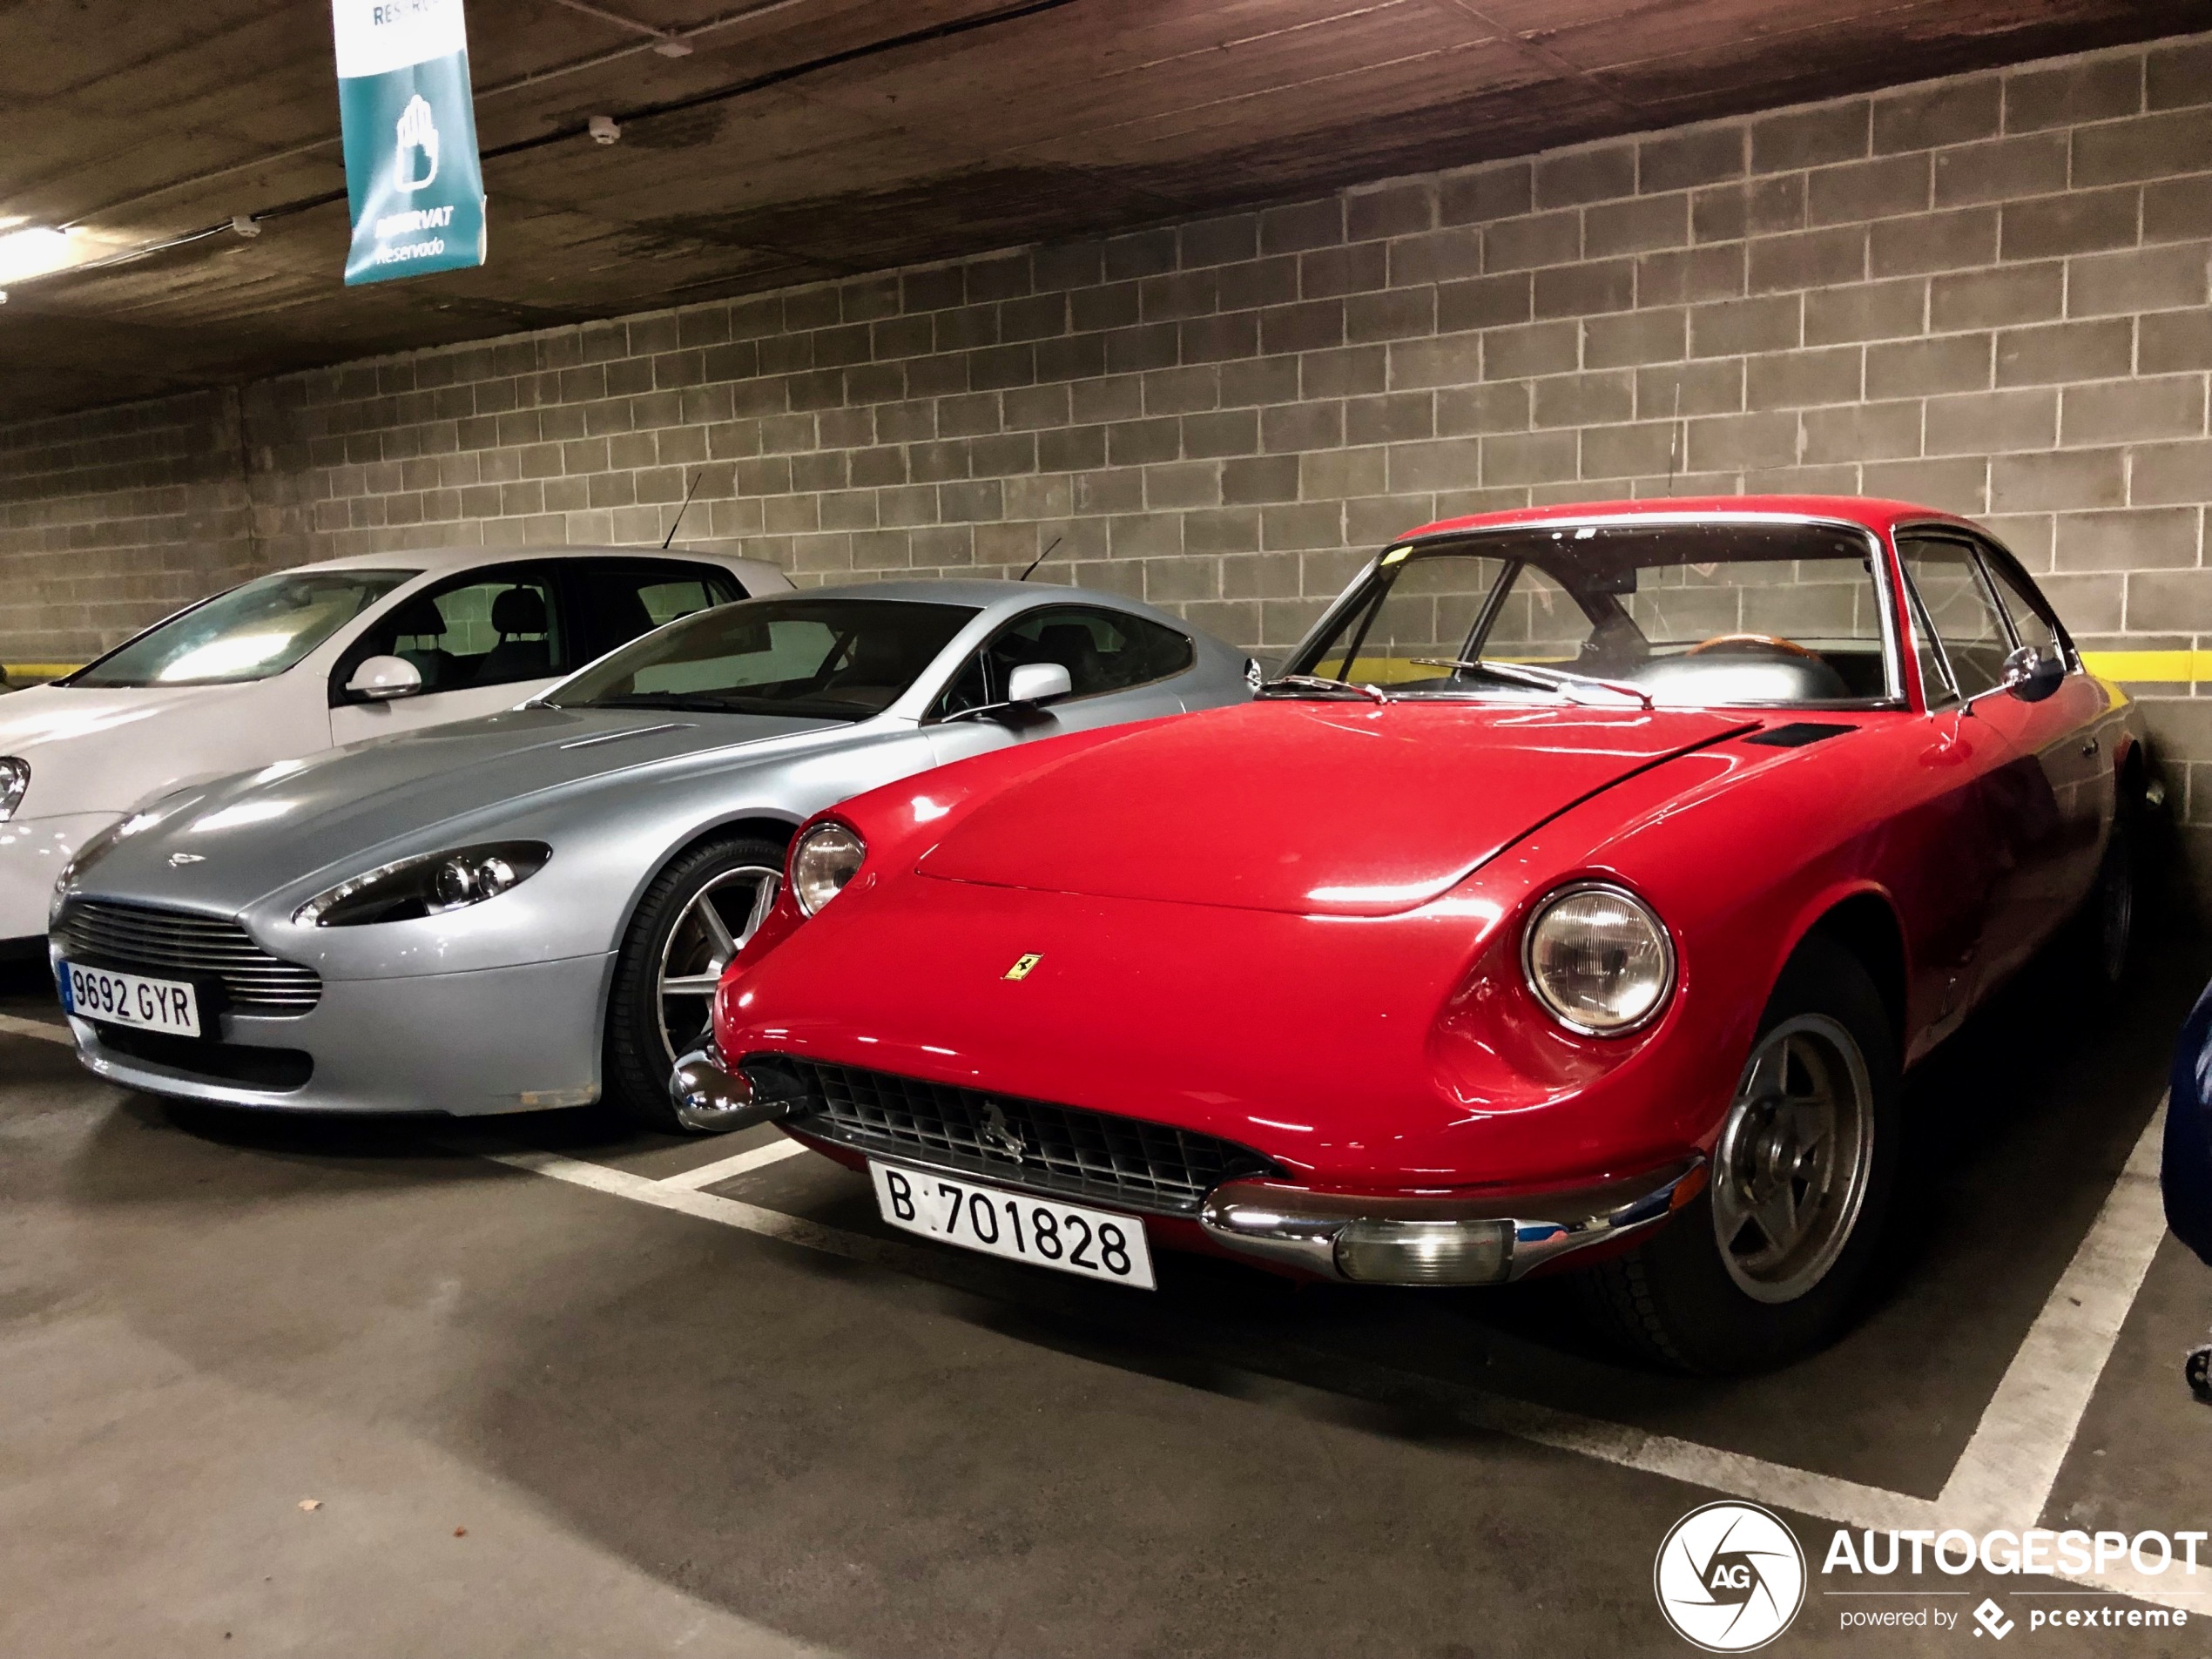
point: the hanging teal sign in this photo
(412, 178)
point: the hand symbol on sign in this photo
(417, 132)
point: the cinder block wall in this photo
(1988, 294)
(112, 519)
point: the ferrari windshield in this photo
(247, 634)
(1724, 614)
(830, 659)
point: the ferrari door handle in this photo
(2090, 748)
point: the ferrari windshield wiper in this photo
(1318, 686)
(1547, 679)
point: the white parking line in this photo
(2028, 1426)
(18, 1027)
(2004, 1477)
(722, 1169)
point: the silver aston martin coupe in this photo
(531, 910)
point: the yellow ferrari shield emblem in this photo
(1023, 964)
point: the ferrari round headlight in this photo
(827, 857)
(1598, 959)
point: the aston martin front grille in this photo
(1028, 1143)
(138, 938)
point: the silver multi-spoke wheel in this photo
(1790, 1171)
(713, 926)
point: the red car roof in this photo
(1875, 515)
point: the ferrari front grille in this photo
(140, 938)
(1027, 1143)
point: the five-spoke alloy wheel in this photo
(696, 914)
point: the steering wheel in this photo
(1776, 642)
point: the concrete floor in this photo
(543, 1418)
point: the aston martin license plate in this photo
(1096, 1243)
(131, 999)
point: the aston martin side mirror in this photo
(1035, 683)
(380, 679)
(2032, 674)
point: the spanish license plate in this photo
(1044, 1232)
(131, 999)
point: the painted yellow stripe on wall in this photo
(2139, 667)
(2150, 667)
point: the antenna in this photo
(1674, 437)
(694, 491)
(1041, 559)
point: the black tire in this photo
(636, 1057)
(1676, 1300)
(2103, 942)
(2197, 1368)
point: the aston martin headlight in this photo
(15, 778)
(827, 857)
(429, 884)
(1598, 959)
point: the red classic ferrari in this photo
(1574, 898)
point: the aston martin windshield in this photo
(247, 634)
(832, 659)
(1725, 614)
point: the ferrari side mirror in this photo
(380, 679)
(1035, 683)
(2032, 674)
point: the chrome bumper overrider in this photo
(709, 1097)
(1439, 1240)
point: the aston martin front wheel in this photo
(693, 919)
(1771, 1261)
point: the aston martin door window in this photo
(1102, 650)
(1960, 609)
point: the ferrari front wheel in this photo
(1769, 1261)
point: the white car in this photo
(308, 658)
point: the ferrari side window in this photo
(2032, 619)
(1961, 609)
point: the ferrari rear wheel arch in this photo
(703, 903)
(1772, 1260)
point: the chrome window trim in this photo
(1974, 543)
(1886, 594)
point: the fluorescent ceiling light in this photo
(33, 252)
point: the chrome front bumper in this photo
(1435, 1241)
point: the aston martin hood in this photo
(1313, 808)
(252, 835)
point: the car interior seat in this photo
(420, 622)
(1072, 646)
(523, 651)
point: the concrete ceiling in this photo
(798, 140)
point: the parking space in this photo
(546, 1378)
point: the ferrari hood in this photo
(1311, 808)
(254, 834)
